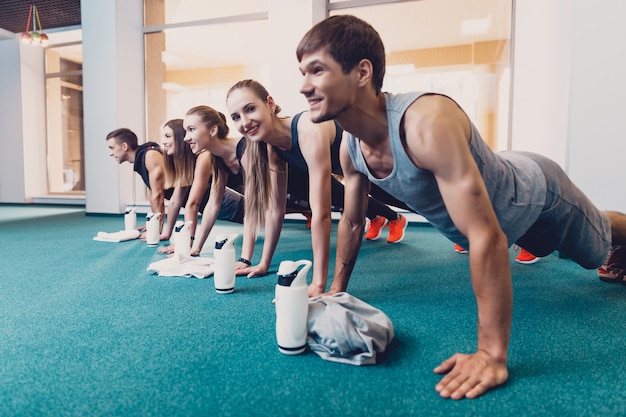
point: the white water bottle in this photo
(130, 219)
(152, 229)
(292, 306)
(224, 256)
(182, 238)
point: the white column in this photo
(541, 77)
(22, 115)
(569, 89)
(597, 106)
(34, 120)
(113, 82)
(12, 155)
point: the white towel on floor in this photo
(344, 329)
(179, 265)
(120, 236)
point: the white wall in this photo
(12, 155)
(5, 34)
(597, 115)
(541, 77)
(113, 81)
(569, 89)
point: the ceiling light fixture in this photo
(34, 37)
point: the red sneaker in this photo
(396, 229)
(376, 226)
(459, 249)
(308, 220)
(525, 257)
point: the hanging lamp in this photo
(25, 36)
(36, 36)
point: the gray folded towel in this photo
(344, 329)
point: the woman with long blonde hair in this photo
(179, 164)
(217, 169)
(307, 152)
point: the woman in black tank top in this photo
(217, 168)
(179, 165)
(255, 115)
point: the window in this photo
(194, 62)
(196, 50)
(460, 48)
(64, 114)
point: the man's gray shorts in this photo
(569, 221)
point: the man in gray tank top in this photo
(423, 149)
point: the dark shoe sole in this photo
(612, 279)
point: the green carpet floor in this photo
(86, 331)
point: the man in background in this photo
(147, 161)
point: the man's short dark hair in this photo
(348, 40)
(124, 135)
